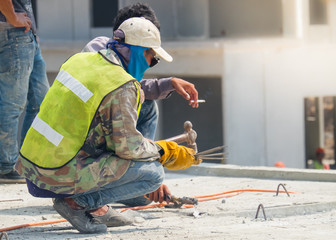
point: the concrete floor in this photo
(309, 213)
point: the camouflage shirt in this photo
(111, 145)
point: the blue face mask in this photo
(138, 64)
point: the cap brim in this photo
(163, 54)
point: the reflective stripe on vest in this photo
(66, 113)
(74, 85)
(43, 128)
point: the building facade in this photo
(253, 61)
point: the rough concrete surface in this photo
(310, 213)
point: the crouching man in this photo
(83, 149)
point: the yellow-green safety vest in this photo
(60, 128)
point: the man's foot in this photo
(12, 177)
(111, 218)
(79, 219)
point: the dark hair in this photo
(135, 10)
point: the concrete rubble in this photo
(309, 213)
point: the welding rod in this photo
(211, 158)
(216, 149)
(213, 155)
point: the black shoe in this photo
(11, 177)
(79, 219)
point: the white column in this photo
(294, 18)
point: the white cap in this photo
(142, 32)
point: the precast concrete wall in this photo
(264, 90)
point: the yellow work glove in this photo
(177, 157)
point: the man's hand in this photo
(186, 90)
(161, 194)
(21, 20)
(14, 18)
(177, 157)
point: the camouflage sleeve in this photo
(118, 113)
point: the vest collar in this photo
(111, 56)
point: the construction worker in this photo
(318, 162)
(83, 148)
(154, 89)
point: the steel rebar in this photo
(277, 192)
(263, 210)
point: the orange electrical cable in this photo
(242, 190)
(31, 225)
(200, 199)
(212, 198)
(206, 198)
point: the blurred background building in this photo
(266, 68)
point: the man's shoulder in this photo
(100, 40)
(96, 44)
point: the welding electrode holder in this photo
(177, 201)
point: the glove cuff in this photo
(161, 151)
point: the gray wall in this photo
(245, 18)
(264, 104)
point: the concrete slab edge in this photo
(287, 211)
(212, 169)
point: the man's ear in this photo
(119, 35)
